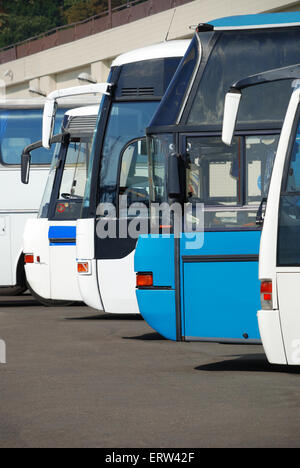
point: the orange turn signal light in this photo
(83, 267)
(29, 258)
(144, 280)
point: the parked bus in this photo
(279, 257)
(20, 125)
(208, 291)
(50, 239)
(118, 175)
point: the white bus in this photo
(135, 87)
(279, 258)
(118, 174)
(50, 239)
(20, 125)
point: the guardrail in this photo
(111, 18)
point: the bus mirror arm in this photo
(25, 167)
(231, 108)
(260, 216)
(173, 180)
(50, 107)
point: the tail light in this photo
(266, 295)
(144, 280)
(29, 258)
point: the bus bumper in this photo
(158, 308)
(271, 335)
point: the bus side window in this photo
(133, 182)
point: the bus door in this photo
(116, 245)
(219, 276)
(66, 203)
(286, 221)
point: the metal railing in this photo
(111, 18)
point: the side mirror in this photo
(25, 167)
(260, 215)
(48, 122)
(173, 181)
(231, 108)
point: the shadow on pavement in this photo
(18, 301)
(146, 337)
(248, 363)
(109, 317)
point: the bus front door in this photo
(219, 270)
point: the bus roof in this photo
(161, 50)
(259, 21)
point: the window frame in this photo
(239, 207)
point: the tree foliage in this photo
(22, 19)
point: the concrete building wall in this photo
(59, 67)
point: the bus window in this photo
(160, 146)
(44, 208)
(134, 175)
(289, 211)
(72, 187)
(127, 121)
(260, 155)
(20, 128)
(230, 189)
(235, 56)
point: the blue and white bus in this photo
(49, 240)
(119, 171)
(211, 292)
(20, 125)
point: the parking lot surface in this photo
(75, 377)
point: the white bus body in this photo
(20, 125)
(50, 240)
(106, 277)
(279, 257)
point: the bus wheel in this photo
(49, 302)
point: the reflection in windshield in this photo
(240, 54)
(128, 120)
(20, 128)
(72, 186)
(43, 213)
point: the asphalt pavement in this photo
(75, 377)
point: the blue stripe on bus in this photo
(57, 235)
(257, 20)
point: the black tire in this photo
(49, 302)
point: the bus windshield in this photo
(67, 179)
(240, 54)
(127, 122)
(18, 129)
